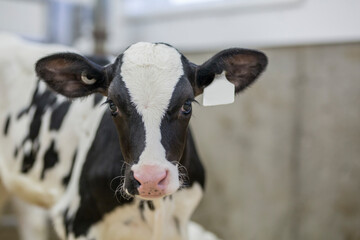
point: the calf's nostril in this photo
(136, 181)
(163, 179)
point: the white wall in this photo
(297, 23)
(27, 18)
(285, 23)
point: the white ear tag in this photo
(219, 92)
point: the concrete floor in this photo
(8, 229)
(8, 226)
(8, 233)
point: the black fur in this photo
(97, 99)
(51, 158)
(16, 152)
(41, 102)
(7, 124)
(151, 205)
(130, 127)
(58, 115)
(177, 224)
(142, 209)
(28, 160)
(66, 179)
(102, 167)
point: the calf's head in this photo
(150, 89)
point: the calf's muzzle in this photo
(153, 181)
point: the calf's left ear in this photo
(72, 75)
(241, 66)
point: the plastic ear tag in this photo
(219, 92)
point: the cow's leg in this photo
(32, 220)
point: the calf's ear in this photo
(72, 75)
(241, 66)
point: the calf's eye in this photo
(113, 108)
(186, 108)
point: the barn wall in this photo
(283, 161)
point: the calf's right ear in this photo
(241, 66)
(72, 75)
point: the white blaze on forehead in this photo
(151, 72)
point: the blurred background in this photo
(283, 161)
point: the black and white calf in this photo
(126, 171)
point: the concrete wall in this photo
(283, 162)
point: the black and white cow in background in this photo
(126, 171)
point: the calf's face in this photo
(150, 89)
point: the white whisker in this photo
(183, 174)
(120, 189)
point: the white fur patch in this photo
(126, 222)
(78, 129)
(18, 81)
(151, 72)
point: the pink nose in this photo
(153, 180)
